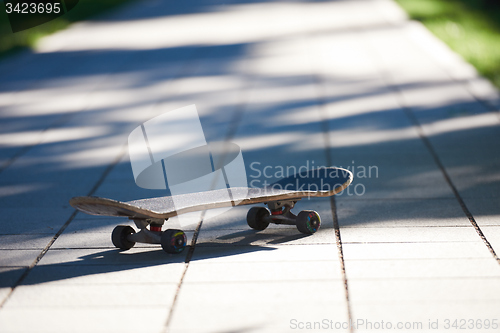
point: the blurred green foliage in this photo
(12, 42)
(470, 27)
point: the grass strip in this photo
(469, 27)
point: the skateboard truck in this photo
(279, 212)
(172, 240)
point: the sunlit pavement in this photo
(413, 245)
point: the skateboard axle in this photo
(145, 235)
(281, 212)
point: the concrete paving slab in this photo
(408, 234)
(14, 258)
(413, 290)
(466, 126)
(272, 236)
(24, 242)
(4, 293)
(263, 271)
(401, 213)
(383, 269)
(283, 303)
(30, 220)
(83, 223)
(395, 182)
(492, 234)
(9, 277)
(433, 250)
(478, 180)
(83, 319)
(412, 174)
(56, 295)
(257, 253)
(475, 173)
(486, 211)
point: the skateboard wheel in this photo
(173, 241)
(119, 237)
(308, 222)
(255, 218)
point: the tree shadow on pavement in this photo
(35, 191)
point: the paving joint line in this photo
(396, 90)
(61, 230)
(409, 113)
(189, 256)
(58, 122)
(184, 69)
(231, 132)
(341, 257)
(333, 206)
(450, 182)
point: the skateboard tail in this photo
(105, 207)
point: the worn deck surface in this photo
(297, 186)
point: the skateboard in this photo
(149, 215)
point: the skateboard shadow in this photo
(114, 260)
(247, 237)
(240, 243)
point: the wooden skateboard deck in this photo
(150, 214)
(321, 182)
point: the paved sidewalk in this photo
(413, 244)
